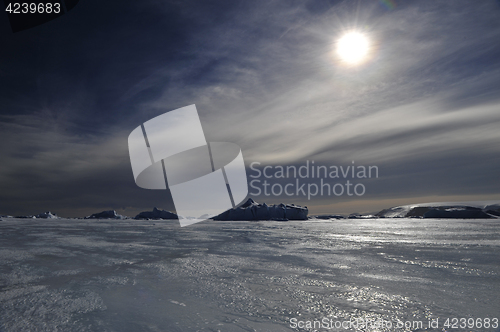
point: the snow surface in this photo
(134, 275)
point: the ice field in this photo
(130, 275)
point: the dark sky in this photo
(425, 107)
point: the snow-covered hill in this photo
(450, 210)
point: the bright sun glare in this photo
(353, 47)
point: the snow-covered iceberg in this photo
(156, 214)
(328, 216)
(252, 210)
(47, 215)
(472, 210)
(462, 212)
(361, 216)
(44, 215)
(110, 214)
(493, 209)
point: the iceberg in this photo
(328, 216)
(361, 216)
(44, 215)
(252, 210)
(462, 212)
(156, 214)
(493, 209)
(111, 214)
(47, 215)
(471, 210)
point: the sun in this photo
(353, 47)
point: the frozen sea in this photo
(129, 275)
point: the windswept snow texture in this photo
(252, 210)
(472, 210)
(133, 275)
